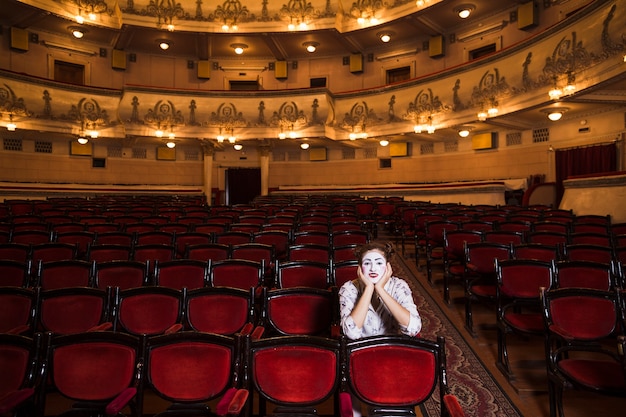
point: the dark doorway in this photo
(397, 75)
(244, 85)
(242, 185)
(67, 72)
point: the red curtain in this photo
(585, 160)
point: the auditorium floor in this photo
(529, 388)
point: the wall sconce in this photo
(94, 134)
(304, 146)
(238, 146)
(158, 133)
(464, 10)
(239, 47)
(82, 140)
(311, 46)
(289, 134)
(384, 142)
(421, 3)
(11, 126)
(428, 127)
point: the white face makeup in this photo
(374, 265)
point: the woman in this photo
(377, 303)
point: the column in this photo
(208, 150)
(264, 155)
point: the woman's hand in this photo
(363, 278)
(380, 285)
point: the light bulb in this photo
(238, 147)
(384, 142)
(82, 140)
(171, 144)
(554, 116)
(464, 133)
(304, 146)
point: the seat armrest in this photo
(345, 404)
(119, 402)
(257, 333)
(175, 328)
(246, 329)
(232, 402)
(453, 406)
(102, 327)
(12, 399)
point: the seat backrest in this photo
(155, 237)
(108, 363)
(309, 252)
(539, 251)
(588, 252)
(454, 241)
(522, 278)
(582, 314)
(20, 362)
(279, 239)
(109, 252)
(81, 239)
(481, 256)
(312, 237)
(207, 251)
(73, 309)
(302, 274)
(342, 238)
(15, 251)
(300, 311)
(233, 237)
(182, 273)
(370, 364)
(504, 236)
(258, 252)
(14, 273)
(122, 274)
(18, 308)
(236, 273)
(547, 237)
(276, 363)
(66, 273)
(192, 368)
(344, 253)
(584, 274)
(31, 237)
(53, 251)
(147, 310)
(221, 310)
(343, 271)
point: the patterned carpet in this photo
(468, 378)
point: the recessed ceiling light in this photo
(163, 44)
(385, 36)
(383, 142)
(304, 146)
(238, 146)
(311, 46)
(464, 10)
(82, 140)
(239, 47)
(77, 31)
(555, 113)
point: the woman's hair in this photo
(387, 250)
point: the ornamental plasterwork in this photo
(12, 104)
(289, 117)
(164, 115)
(88, 113)
(227, 117)
(425, 107)
(359, 118)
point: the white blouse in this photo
(380, 321)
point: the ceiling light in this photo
(464, 10)
(158, 133)
(555, 113)
(310, 46)
(385, 36)
(171, 144)
(464, 131)
(80, 19)
(304, 146)
(77, 32)
(163, 44)
(239, 47)
(482, 115)
(238, 146)
(11, 127)
(554, 116)
(82, 140)
(94, 134)
(383, 142)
